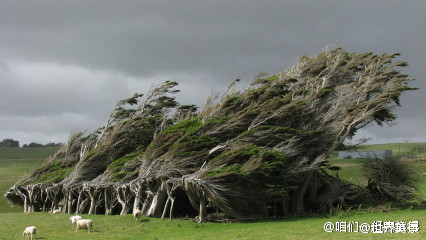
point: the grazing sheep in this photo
(74, 219)
(137, 214)
(30, 231)
(84, 223)
(56, 211)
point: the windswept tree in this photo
(253, 153)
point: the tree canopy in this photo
(9, 143)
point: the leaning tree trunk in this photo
(124, 196)
(166, 206)
(147, 203)
(110, 201)
(203, 210)
(77, 209)
(137, 189)
(157, 203)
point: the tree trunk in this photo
(152, 206)
(203, 210)
(83, 206)
(125, 209)
(298, 202)
(108, 204)
(77, 209)
(166, 206)
(137, 201)
(171, 208)
(43, 208)
(157, 203)
(195, 204)
(147, 204)
(285, 203)
(29, 199)
(25, 204)
(70, 199)
(92, 205)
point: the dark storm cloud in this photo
(76, 58)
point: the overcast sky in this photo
(64, 64)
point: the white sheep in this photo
(74, 219)
(84, 223)
(30, 231)
(137, 214)
(56, 211)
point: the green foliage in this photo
(277, 102)
(219, 120)
(254, 94)
(283, 130)
(226, 170)
(55, 176)
(189, 140)
(394, 95)
(188, 125)
(196, 142)
(231, 101)
(249, 160)
(118, 167)
(272, 164)
(277, 191)
(9, 143)
(273, 78)
(272, 155)
(236, 156)
(383, 115)
(119, 163)
(325, 91)
(117, 176)
(248, 151)
(55, 171)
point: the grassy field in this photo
(14, 163)
(403, 150)
(124, 227)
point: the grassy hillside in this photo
(14, 163)
(26, 153)
(403, 150)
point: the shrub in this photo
(389, 179)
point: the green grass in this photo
(26, 153)
(403, 150)
(15, 163)
(124, 227)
